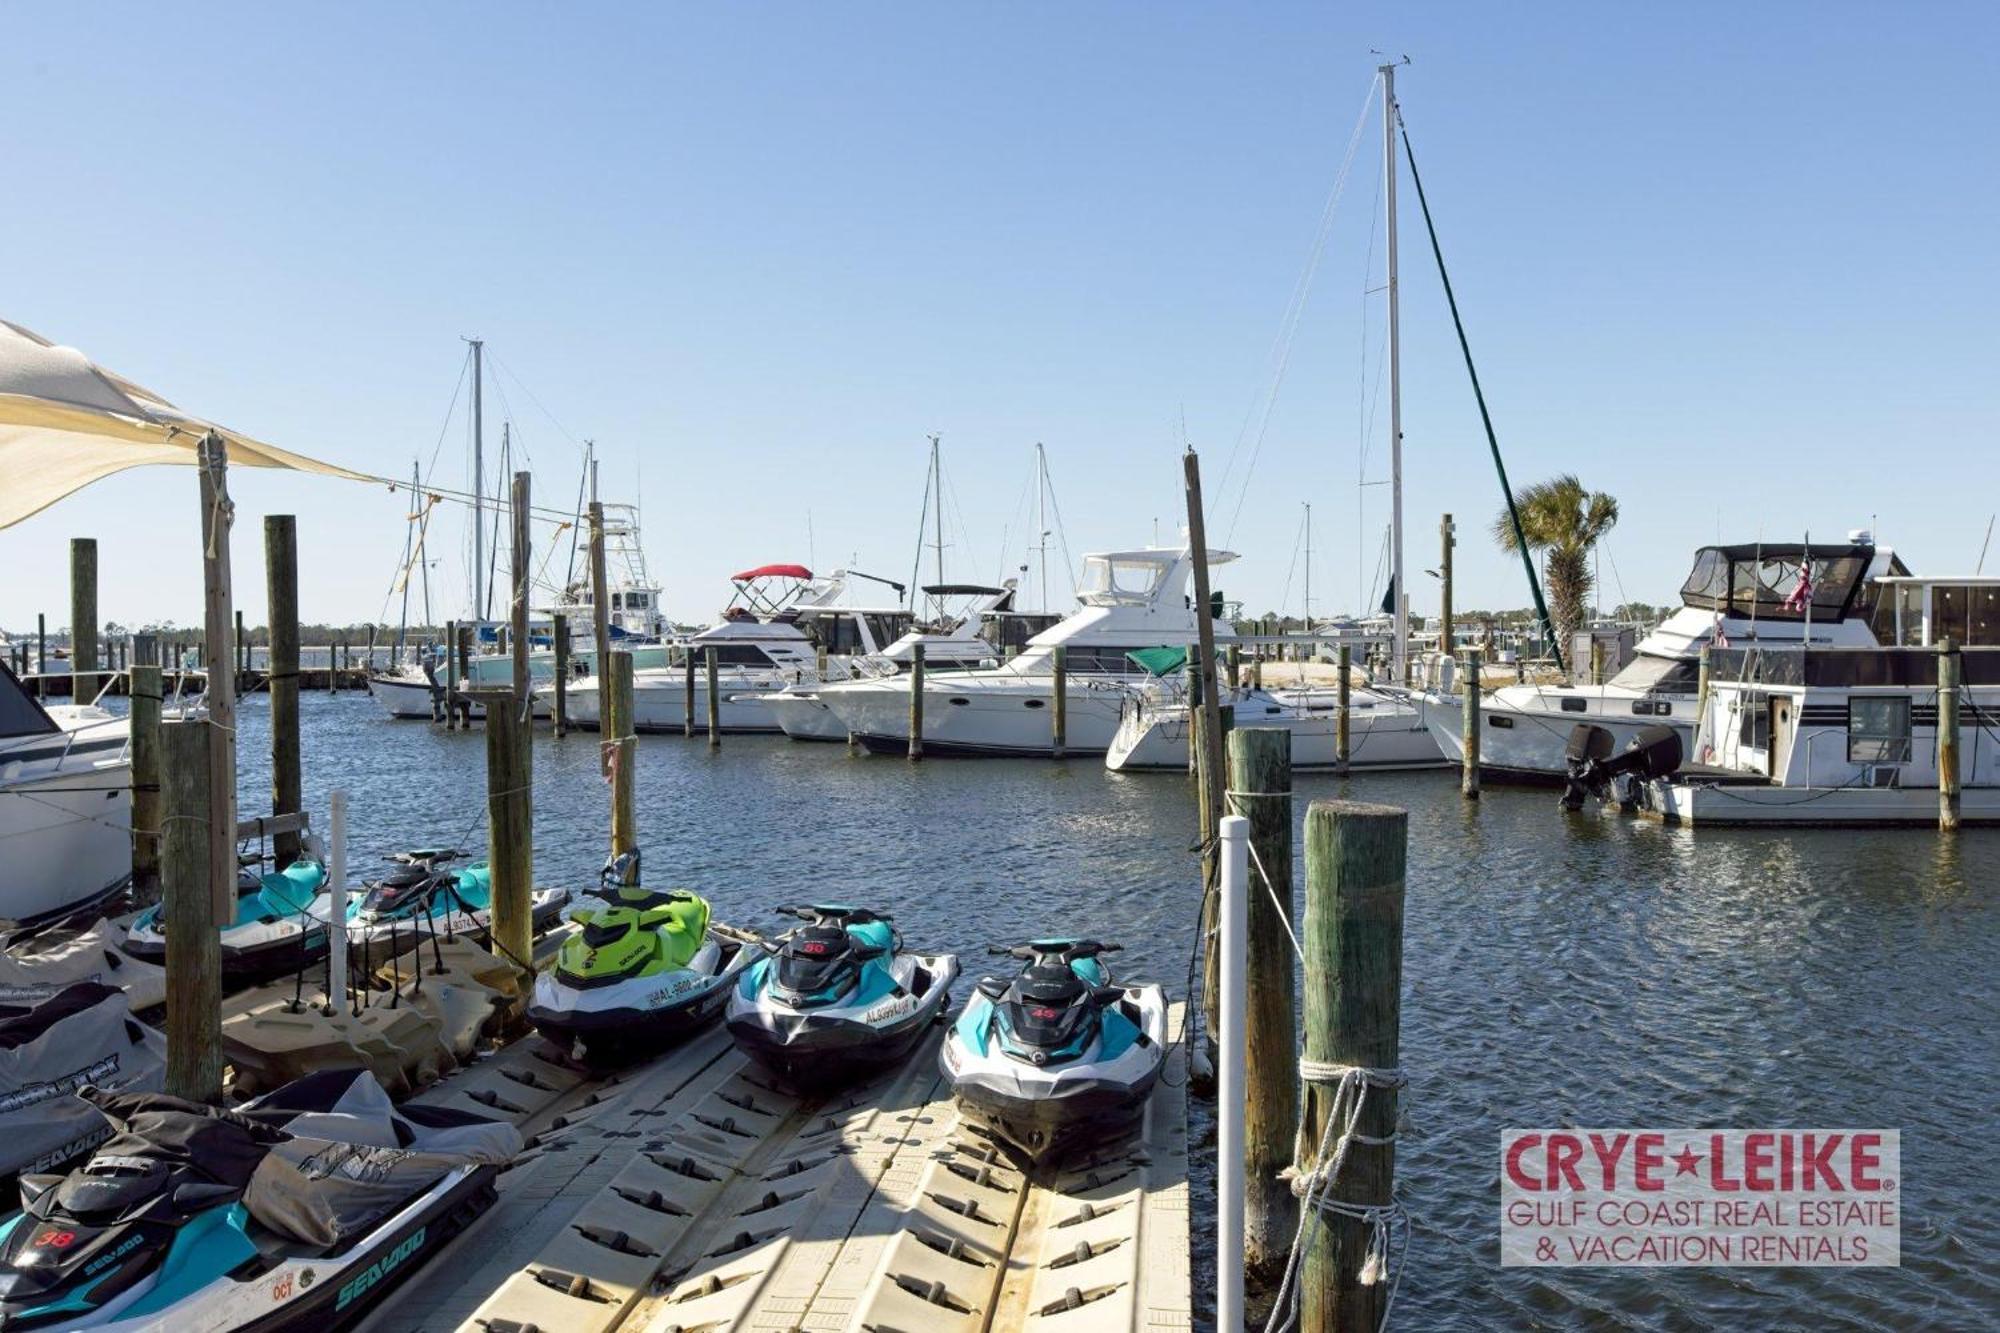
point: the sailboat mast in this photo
(1398, 589)
(1309, 566)
(1042, 517)
(478, 482)
(937, 499)
(409, 544)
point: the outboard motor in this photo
(1594, 771)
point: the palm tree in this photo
(1564, 522)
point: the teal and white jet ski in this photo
(837, 997)
(1058, 1053)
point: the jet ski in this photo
(1058, 1053)
(423, 897)
(298, 1211)
(642, 970)
(837, 997)
(275, 932)
(82, 1034)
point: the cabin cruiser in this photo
(65, 804)
(954, 643)
(1385, 730)
(1132, 600)
(1736, 597)
(1794, 735)
(771, 633)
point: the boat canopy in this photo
(1160, 661)
(960, 590)
(1759, 580)
(772, 572)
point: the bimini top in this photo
(1762, 579)
(772, 572)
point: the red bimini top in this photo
(772, 572)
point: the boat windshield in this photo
(1761, 581)
(20, 715)
(1110, 578)
(1659, 675)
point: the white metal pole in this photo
(1402, 598)
(1232, 1075)
(478, 485)
(336, 884)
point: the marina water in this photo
(1584, 971)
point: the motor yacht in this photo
(1131, 600)
(1385, 730)
(1735, 597)
(65, 804)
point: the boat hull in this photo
(1382, 734)
(66, 837)
(661, 705)
(980, 718)
(1522, 742)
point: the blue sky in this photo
(1731, 263)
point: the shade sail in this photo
(65, 422)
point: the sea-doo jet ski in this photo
(642, 970)
(424, 897)
(838, 996)
(83, 1034)
(275, 931)
(297, 1212)
(1060, 1052)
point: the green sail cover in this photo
(1160, 661)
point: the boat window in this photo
(1967, 615)
(1754, 728)
(1878, 729)
(1659, 675)
(1124, 580)
(20, 715)
(733, 654)
(1103, 661)
(1575, 705)
(635, 601)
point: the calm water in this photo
(1585, 972)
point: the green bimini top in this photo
(1160, 661)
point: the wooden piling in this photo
(242, 653)
(1448, 542)
(1235, 657)
(714, 702)
(687, 692)
(510, 818)
(600, 604)
(194, 943)
(281, 584)
(450, 677)
(917, 700)
(461, 653)
(621, 751)
(1355, 857)
(41, 648)
(82, 619)
(368, 663)
(147, 699)
(1059, 713)
(559, 708)
(1948, 664)
(1343, 724)
(217, 517)
(1260, 780)
(1596, 660)
(1469, 724)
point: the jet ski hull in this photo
(271, 956)
(825, 1045)
(633, 1017)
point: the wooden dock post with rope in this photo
(147, 700)
(1260, 789)
(510, 761)
(916, 701)
(621, 751)
(194, 941)
(559, 644)
(1948, 669)
(82, 618)
(1353, 943)
(281, 583)
(714, 701)
(1059, 713)
(1343, 732)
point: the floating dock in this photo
(695, 1193)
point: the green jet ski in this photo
(642, 970)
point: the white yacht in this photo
(1131, 600)
(1736, 597)
(759, 648)
(1385, 731)
(65, 804)
(1791, 735)
(955, 643)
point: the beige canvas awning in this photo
(66, 422)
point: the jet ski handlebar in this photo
(426, 856)
(833, 916)
(1059, 950)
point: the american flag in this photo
(1801, 594)
(1716, 638)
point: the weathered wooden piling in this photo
(147, 700)
(1448, 543)
(715, 701)
(217, 518)
(621, 751)
(194, 943)
(1260, 788)
(559, 706)
(242, 663)
(461, 653)
(1596, 660)
(917, 701)
(600, 601)
(450, 675)
(82, 619)
(1235, 659)
(41, 648)
(1469, 722)
(1059, 711)
(1948, 663)
(1355, 857)
(509, 820)
(1343, 722)
(281, 584)
(687, 691)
